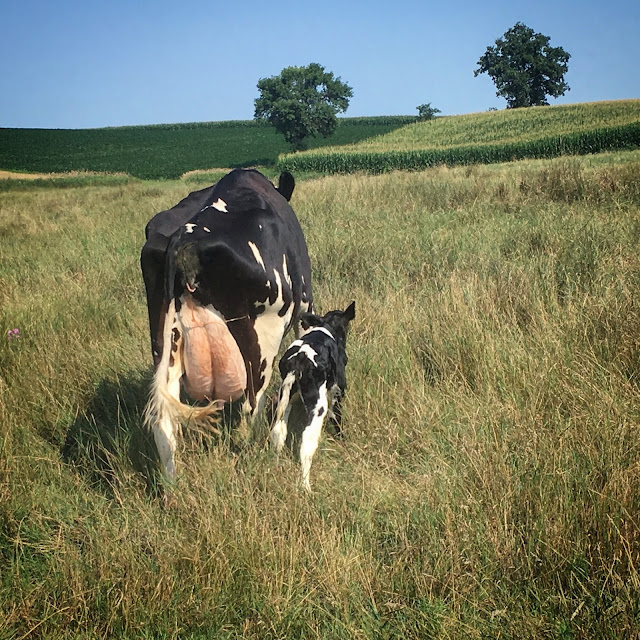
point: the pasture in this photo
(489, 481)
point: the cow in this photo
(314, 368)
(227, 274)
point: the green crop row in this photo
(166, 151)
(367, 121)
(500, 127)
(595, 141)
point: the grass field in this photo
(165, 151)
(489, 481)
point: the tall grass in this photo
(488, 482)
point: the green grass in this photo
(505, 126)
(489, 481)
(499, 136)
(165, 151)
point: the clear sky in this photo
(96, 63)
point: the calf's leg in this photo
(279, 431)
(316, 402)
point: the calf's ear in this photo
(308, 320)
(350, 312)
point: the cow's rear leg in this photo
(164, 430)
(316, 402)
(269, 330)
(279, 431)
(160, 414)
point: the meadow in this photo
(489, 481)
(166, 151)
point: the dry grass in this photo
(488, 482)
(20, 175)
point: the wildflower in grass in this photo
(13, 334)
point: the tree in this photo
(302, 102)
(426, 111)
(524, 68)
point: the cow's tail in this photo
(164, 409)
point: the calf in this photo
(313, 367)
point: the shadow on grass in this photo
(107, 441)
(108, 444)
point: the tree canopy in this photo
(524, 68)
(302, 102)
(426, 111)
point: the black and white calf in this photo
(313, 367)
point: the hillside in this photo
(494, 136)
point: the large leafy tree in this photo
(302, 103)
(524, 68)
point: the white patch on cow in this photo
(270, 328)
(308, 351)
(189, 226)
(207, 229)
(280, 299)
(259, 226)
(285, 270)
(257, 255)
(220, 205)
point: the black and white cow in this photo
(314, 368)
(227, 274)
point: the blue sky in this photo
(87, 63)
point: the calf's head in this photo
(336, 321)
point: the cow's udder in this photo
(214, 368)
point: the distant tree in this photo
(524, 68)
(302, 103)
(426, 111)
